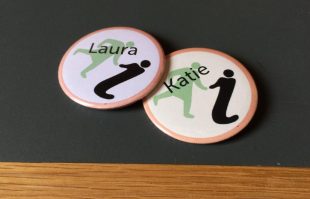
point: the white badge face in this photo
(206, 97)
(111, 67)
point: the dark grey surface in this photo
(39, 123)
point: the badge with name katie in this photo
(111, 67)
(207, 97)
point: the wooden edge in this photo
(75, 180)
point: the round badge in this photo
(207, 96)
(111, 67)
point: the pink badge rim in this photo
(124, 102)
(224, 136)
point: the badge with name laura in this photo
(207, 97)
(111, 67)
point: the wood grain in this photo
(54, 180)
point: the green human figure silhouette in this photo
(98, 58)
(185, 93)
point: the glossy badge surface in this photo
(207, 97)
(111, 67)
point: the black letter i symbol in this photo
(226, 86)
